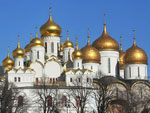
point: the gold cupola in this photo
(61, 47)
(121, 55)
(77, 54)
(68, 43)
(36, 41)
(135, 55)
(8, 62)
(18, 52)
(50, 28)
(106, 42)
(90, 54)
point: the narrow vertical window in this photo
(49, 101)
(109, 67)
(130, 71)
(70, 79)
(18, 79)
(91, 67)
(15, 79)
(53, 80)
(56, 79)
(138, 71)
(45, 47)
(79, 79)
(78, 64)
(37, 81)
(19, 63)
(64, 101)
(58, 46)
(50, 80)
(78, 101)
(20, 101)
(52, 47)
(87, 80)
(37, 54)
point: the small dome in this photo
(36, 42)
(105, 42)
(135, 55)
(77, 54)
(121, 57)
(50, 28)
(90, 54)
(8, 63)
(18, 52)
(68, 44)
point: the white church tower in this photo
(37, 50)
(109, 51)
(50, 33)
(77, 57)
(18, 55)
(136, 61)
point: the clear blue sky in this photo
(21, 16)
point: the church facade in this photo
(45, 60)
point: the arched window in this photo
(64, 101)
(15, 79)
(19, 63)
(70, 79)
(79, 79)
(109, 67)
(50, 80)
(38, 56)
(45, 47)
(87, 80)
(37, 81)
(20, 101)
(78, 101)
(52, 47)
(130, 71)
(49, 101)
(138, 71)
(53, 80)
(18, 79)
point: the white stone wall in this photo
(114, 58)
(35, 56)
(67, 52)
(49, 40)
(136, 71)
(19, 63)
(77, 64)
(91, 66)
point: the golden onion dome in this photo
(18, 52)
(77, 54)
(50, 28)
(135, 55)
(90, 54)
(8, 62)
(68, 43)
(105, 42)
(36, 41)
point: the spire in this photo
(36, 32)
(77, 43)
(120, 42)
(105, 23)
(134, 37)
(88, 37)
(30, 36)
(67, 35)
(50, 9)
(18, 40)
(8, 54)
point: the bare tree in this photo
(80, 95)
(47, 97)
(9, 99)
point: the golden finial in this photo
(67, 35)
(120, 42)
(88, 36)
(134, 37)
(18, 40)
(30, 36)
(77, 43)
(36, 31)
(8, 54)
(104, 22)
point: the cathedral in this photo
(46, 59)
